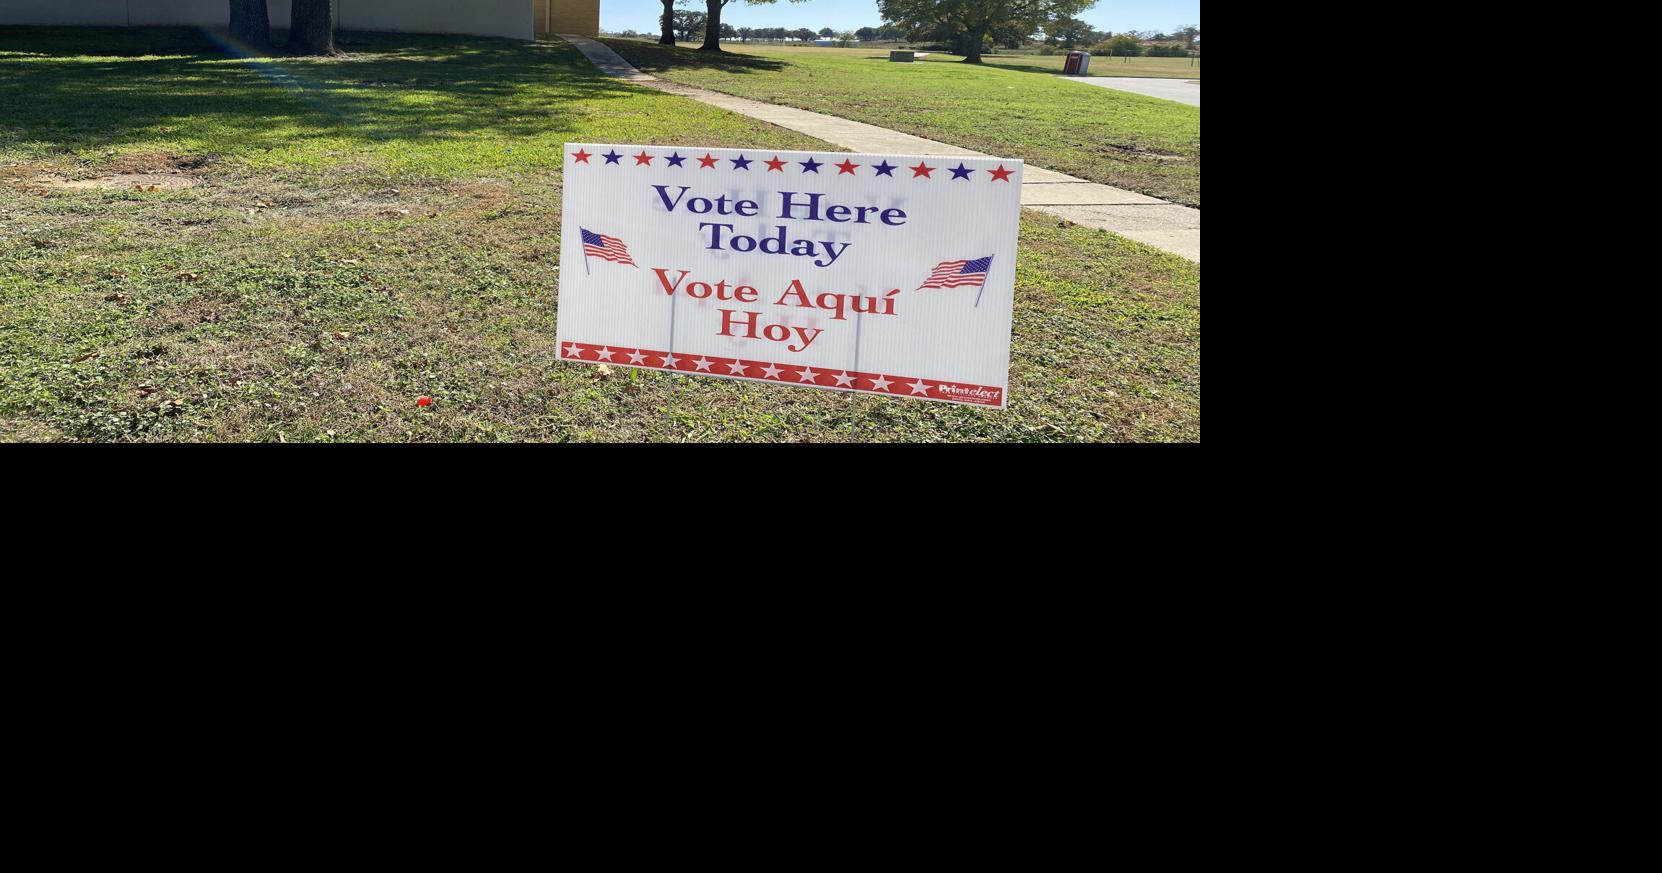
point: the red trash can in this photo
(1070, 67)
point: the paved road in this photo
(1166, 89)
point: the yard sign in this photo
(886, 274)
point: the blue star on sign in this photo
(962, 172)
(884, 169)
(740, 163)
(810, 165)
(612, 156)
(675, 159)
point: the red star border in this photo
(785, 374)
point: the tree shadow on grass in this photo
(989, 62)
(78, 88)
(651, 57)
(1002, 64)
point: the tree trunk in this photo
(668, 22)
(312, 30)
(712, 25)
(972, 52)
(250, 24)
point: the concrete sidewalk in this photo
(1166, 226)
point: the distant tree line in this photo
(965, 27)
(689, 24)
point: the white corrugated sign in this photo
(887, 274)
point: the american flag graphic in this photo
(958, 274)
(609, 247)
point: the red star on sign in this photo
(581, 156)
(643, 158)
(847, 166)
(775, 164)
(922, 169)
(707, 162)
(1001, 174)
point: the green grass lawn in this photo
(1029, 61)
(363, 231)
(1135, 142)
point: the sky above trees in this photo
(1116, 16)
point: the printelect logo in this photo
(988, 394)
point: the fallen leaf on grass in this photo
(116, 297)
(146, 390)
(602, 371)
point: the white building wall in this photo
(203, 13)
(106, 13)
(510, 18)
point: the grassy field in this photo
(1135, 142)
(313, 244)
(1027, 61)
